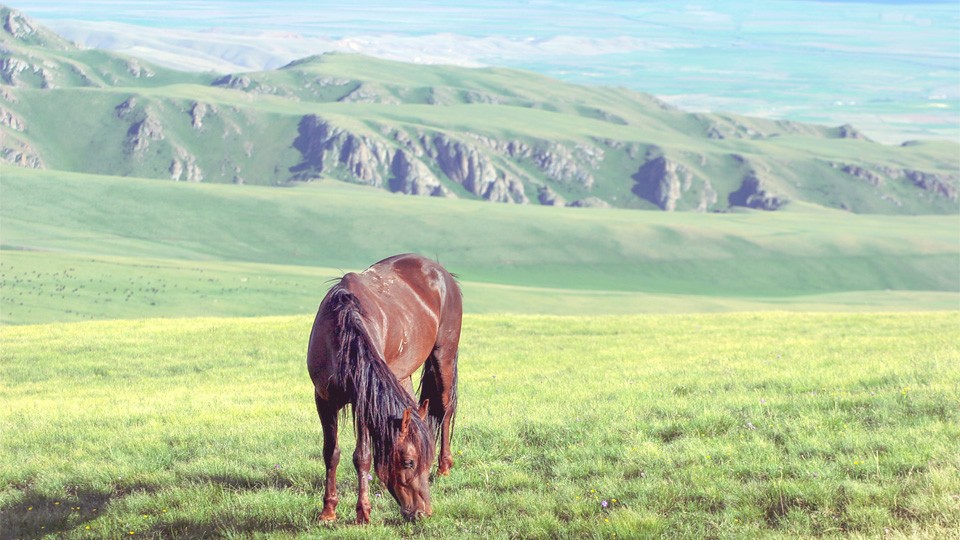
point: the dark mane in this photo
(378, 399)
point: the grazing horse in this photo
(372, 331)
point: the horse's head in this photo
(406, 472)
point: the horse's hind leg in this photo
(361, 460)
(331, 457)
(440, 387)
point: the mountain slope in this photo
(494, 134)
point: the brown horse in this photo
(372, 331)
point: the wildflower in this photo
(604, 503)
(88, 527)
(613, 500)
(369, 476)
(378, 494)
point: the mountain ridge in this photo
(491, 133)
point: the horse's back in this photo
(421, 308)
(426, 279)
(410, 305)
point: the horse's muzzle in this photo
(414, 515)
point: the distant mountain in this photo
(494, 134)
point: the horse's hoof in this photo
(328, 515)
(363, 520)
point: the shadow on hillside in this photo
(38, 515)
(242, 483)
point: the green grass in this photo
(172, 249)
(707, 426)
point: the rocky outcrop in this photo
(660, 182)
(236, 82)
(847, 131)
(720, 127)
(330, 149)
(590, 202)
(860, 173)
(20, 154)
(563, 166)
(940, 185)
(143, 129)
(197, 113)
(13, 71)
(399, 165)
(665, 183)
(365, 159)
(559, 163)
(410, 176)
(549, 197)
(473, 170)
(26, 31)
(134, 68)
(482, 98)
(141, 133)
(17, 25)
(754, 194)
(8, 96)
(184, 167)
(11, 120)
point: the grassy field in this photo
(163, 249)
(707, 426)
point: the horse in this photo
(373, 330)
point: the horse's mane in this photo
(378, 399)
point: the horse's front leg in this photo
(331, 457)
(361, 460)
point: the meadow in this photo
(153, 382)
(773, 425)
(164, 249)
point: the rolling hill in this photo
(78, 247)
(492, 134)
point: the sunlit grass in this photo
(737, 425)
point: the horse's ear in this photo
(405, 422)
(424, 407)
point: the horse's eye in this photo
(409, 464)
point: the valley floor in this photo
(750, 425)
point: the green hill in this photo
(76, 246)
(494, 134)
